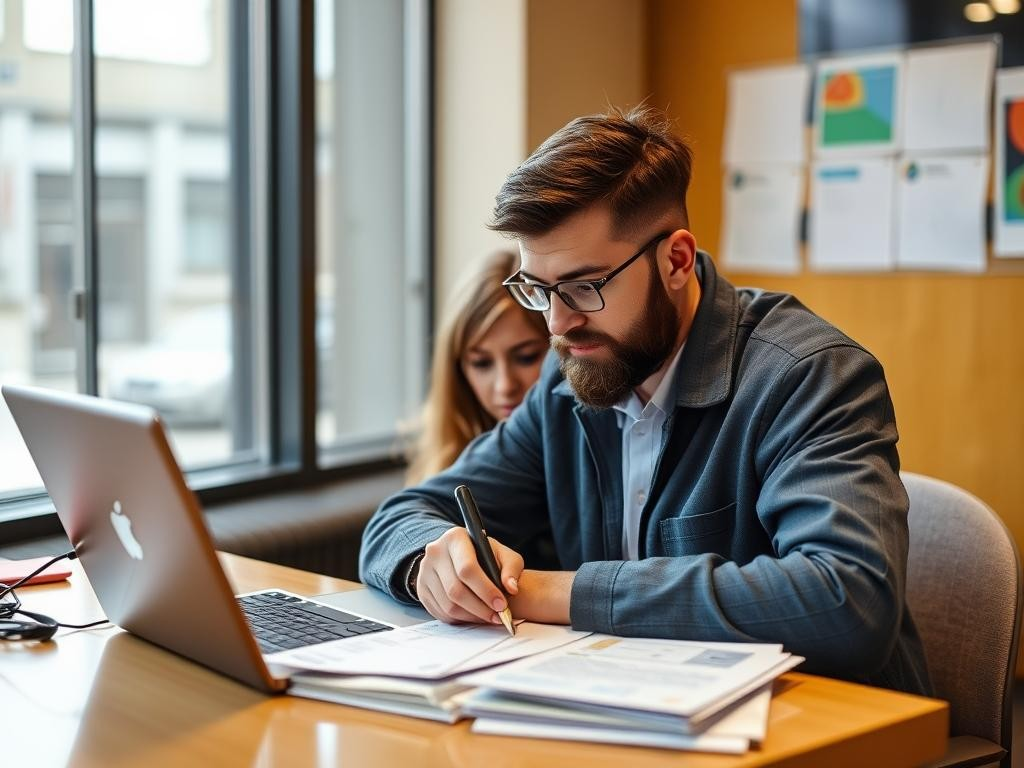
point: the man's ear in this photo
(682, 255)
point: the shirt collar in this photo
(661, 399)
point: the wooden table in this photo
(104, 697)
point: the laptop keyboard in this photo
(281, 622)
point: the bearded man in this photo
(696, 461)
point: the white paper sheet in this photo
(732, 745)
(761, 218)
(942, 212)
(431, 650)
(946, 98)
(851, 218)
(765, 115)
(1009, 165)
(857, 106)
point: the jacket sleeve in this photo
(833, 505)
(503, 468)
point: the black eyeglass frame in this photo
(597, 285)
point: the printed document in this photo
(690, 680)
(431, 650)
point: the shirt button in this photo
(641, 497)
(641, 432)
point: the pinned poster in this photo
(857, 106)
(946, 99)
(761, 227)
(1009, 166)
(942, 212)
(851, 226)
(764, 119)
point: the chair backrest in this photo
(964, 592)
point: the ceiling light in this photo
(1005, 6)
(979, 12)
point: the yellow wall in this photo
(950, 344)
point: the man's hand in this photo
(454, 588)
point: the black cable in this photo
(41, 627)
(72, 555)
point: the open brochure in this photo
(429, 651)
(686, 683)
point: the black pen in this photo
(484, 553)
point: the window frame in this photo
(271, 71)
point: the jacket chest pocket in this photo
(699, 534)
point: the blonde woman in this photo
(487, 353)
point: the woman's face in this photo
(502, 364)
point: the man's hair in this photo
(629, 161)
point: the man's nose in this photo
(561, 318)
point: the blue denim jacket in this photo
(776, 513)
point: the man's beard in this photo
(647, 344)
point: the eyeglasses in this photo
(578, 295)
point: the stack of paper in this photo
(666, 693)
(413, 670)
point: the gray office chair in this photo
(964, 591)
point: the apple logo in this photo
(123, 528)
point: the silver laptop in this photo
(140, 534)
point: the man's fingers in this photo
(438, 604)
(511, 564)
(471, 574)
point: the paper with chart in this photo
(1009, 165)
(688, 679)
(764, 119)
(942, 212)
(431, 650)
(761, 218)
(946, 98)
(858, 106)
(851, 221)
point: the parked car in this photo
(186, 373)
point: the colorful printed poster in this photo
(858, 105)
(1009, 166)
(941, 202)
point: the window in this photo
(371, 235)
(37, 268)
(161, 194)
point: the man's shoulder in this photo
(781, 322)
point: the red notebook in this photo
(12, 570)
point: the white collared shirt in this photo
(641, 427)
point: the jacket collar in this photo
(704, 375)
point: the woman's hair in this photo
(452, 416)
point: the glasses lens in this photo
(583, 297)
(529, 295)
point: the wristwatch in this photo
(412, 574)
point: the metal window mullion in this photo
(85, 256)
(241, 262)
(293, 243)
(419, 234)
